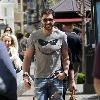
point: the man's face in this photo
(47, 21)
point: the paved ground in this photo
(29, 96)
(80, 96)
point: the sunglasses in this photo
(47, 19)
(7, 30)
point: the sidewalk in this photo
(29, 96)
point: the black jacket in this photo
(75, 46)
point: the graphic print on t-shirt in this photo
(48, 47)
(44, 43)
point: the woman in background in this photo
(13, 53)
(8, 30)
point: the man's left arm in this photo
(65, 64)
(65, 60)
(64, 55)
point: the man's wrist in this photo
(25, 74)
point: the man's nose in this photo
(48, 21)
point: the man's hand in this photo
(27, 80)
(27, 83)
(61, 76)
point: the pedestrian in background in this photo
(49, 45)
(96, 70)
(8, 85)
(13, 53)
(8, 30)
(22, 42)
(75, 46)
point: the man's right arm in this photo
(26, 67)
(27, 60)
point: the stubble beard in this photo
(48, 27)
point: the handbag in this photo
(20, 83)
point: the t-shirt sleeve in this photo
(64, 42)
(96, 70)
(30, 42)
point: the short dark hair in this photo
(77, 30)
(19, 35)
(47, 12)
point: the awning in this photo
(68, 20)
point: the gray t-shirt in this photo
(47, 57)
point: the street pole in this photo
(88, 53)
(87, 50)
(83, 12)
(22, 17)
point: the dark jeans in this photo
(48, 88)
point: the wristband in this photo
(25, 74)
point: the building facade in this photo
(7, 12)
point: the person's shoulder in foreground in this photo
(8, 84)
(96, 70)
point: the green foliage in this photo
(81, 78)
(53, 2)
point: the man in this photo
(75, 46)
(49, 46)
(8, 86)
(96, 70)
